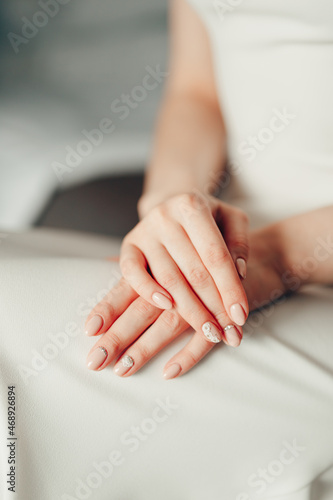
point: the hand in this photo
(176, 257)
(134, 330)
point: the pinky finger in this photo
(189, 356)
(192, 353)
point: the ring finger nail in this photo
(232, 336)
(211, 332)
(123, 365)
(97, 358)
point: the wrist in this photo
(291, 254)
(151, 199)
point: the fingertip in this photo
(94, 325)
(241, 267)
(161, 301)
(172, 371)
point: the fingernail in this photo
(123, 365)
(241, 267)
(94, 325)
(211, 332)
(237, 314)
(97, 358)
(172, 371)
(161, 300)
(232, 335)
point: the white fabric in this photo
(273, 59)
(238, 411)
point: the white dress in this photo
(274, 72)
(248, 423)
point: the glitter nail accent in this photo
(104, 351)
(127, 361)
(207, 331)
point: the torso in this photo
(273, 59)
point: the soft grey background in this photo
(64, 80)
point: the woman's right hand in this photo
(176, 257)
(133, 331)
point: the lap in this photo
(252, 422)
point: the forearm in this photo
(189, 150)
(305, 244)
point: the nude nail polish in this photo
(161, 300)
(123, 365)
(241, 267)
(172, 371)
(96, 358)
(232, 335)
(94, 325)
(237, 314)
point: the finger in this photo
(207, 239)
(187, 259)
(192, 353)
(164, 330)
(235, 225)
(110, 308)
(133, 266)
(124, 331)
(187, 304)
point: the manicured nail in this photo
(161, 300)
(97, 358)
(94, 325)
(232, 335)
(237, 314)
(172, 371)
(241, 267)
(211, 332)
(123, 365)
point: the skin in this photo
(180, 232)
(277, 265)
(187, 243)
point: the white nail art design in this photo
(127, 361)
(207, 331)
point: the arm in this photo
(189, 148)
(289, 254)
(307, 247)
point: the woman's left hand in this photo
(134, 330)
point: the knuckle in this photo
(169, 280)
(217, 255)
(160, 212)
(113, 342)
(171, 320)
(190, 203)
(104, 308)
(143, 288)
(121, 286)
(199, 277)
(222, 318)
(190, 356)
(239, 241)
(145, 352)
(143, 308)
(128, 266)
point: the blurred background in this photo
(80, 88)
